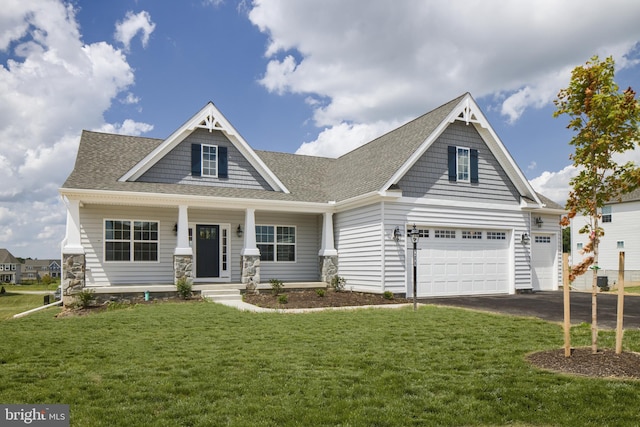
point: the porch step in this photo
(226, 294)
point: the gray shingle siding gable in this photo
(429, 176)
(175, 167)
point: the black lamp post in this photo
(415, 235)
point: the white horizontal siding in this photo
(101, 273)
(306, 266)
(357, 239)
(406, 213)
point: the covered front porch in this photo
(209, 244)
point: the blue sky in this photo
(314, 77)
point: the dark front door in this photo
(207, 251)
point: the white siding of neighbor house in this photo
(306, 266)
(407, 212)
(175, 167)
(358, 235)
(625, 227)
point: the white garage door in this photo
(543, 254)
(463, 262)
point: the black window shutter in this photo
(474, 165)
(196, 160)
(453, 174)
(222, 163)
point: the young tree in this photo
(606, 123)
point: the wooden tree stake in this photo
(567, 305)
(620, 314)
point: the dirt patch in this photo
(310, 299)
(604, 364)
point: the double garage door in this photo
(462, 262)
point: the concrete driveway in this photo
(549, 306)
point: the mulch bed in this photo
(604, 364)
(310, 299)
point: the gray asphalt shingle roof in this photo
(103, 158)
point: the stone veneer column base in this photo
(73, 276)
(251, 272)
(182, 268)
(328, 268)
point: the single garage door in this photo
(543, 256)
(462, 262)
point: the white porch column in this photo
(250, 248)
(182, 245)
(327, 246)
(72, 243)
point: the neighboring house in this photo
(9, 267)
(203, 204)
(621, 225)
(36, 269)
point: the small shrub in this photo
(183, 286)
(320, 292)
(387, 295)
(282, 299)
(276, 286)
(338, 283)
(85, 298)
(46, 280)
(2, 290)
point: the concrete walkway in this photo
(243, 306)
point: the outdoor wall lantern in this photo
(525, 238)
(539, 222)
(175, 229)
(415, 236)
(239, 230)
(396, 233)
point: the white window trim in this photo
(275, 243)
(468, 151)
(131, 241)
(202, 160)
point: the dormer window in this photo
(463, 164)
(210, 160)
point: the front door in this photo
(207, 251)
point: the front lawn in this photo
(203, 364)
(11, 303)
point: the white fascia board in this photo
(130, 198)
(461, 204)
(187, 128)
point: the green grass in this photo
(32, 287)
(633, 289)
(11, 304)
(202, 364)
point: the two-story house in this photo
(9, 268)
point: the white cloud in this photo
(130, 99)
(555, 185)
(338, 140)
(385, 63)
(131, 25)
(128, 127)
(51, 87)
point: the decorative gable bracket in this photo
(468, 114)
(211, 123)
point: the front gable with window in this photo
(459, 166)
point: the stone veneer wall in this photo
(182, 267)
(251, 271)
(328, 268)
(73, 275)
